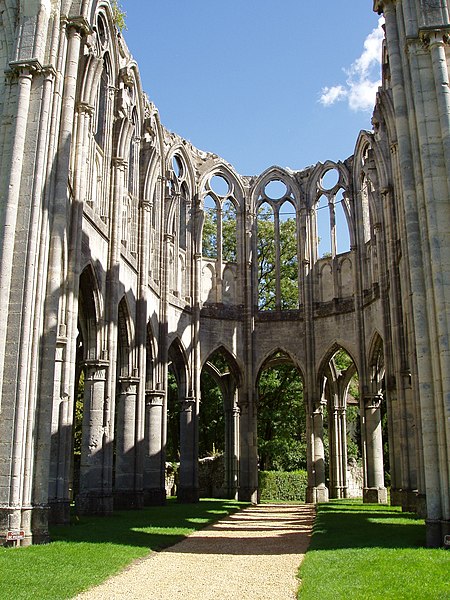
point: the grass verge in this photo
(93, 548)
(367, 551)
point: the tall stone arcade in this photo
(104, 273)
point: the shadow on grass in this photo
(348, 525)
(154, 527)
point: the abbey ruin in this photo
(103, 272)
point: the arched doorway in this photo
(281, 415)
(182, 423)
(219, 426)
(342, 432)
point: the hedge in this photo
(281, 485)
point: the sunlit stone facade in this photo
(103, 271)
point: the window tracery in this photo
(277, 248)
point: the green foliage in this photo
(266, 253)
(229, 233)
(277, 485)
(266, 259)
(119, 15)
(212, 419)
(363, 551)
(173, 419)
(209, 233)
(94, 548)
(281, 419)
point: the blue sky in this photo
(259, 82)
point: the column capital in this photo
(25, 68)
(434, 36)
(154, 397)
(79, 24)
(372, 400)
(187, 403)
(119, 162)
(126, 383)
(96, 369)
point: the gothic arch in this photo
(89, 313)
(236, 368)
(270, 359)
(125, 342)
(376, 363)
(328, 355)
(275, 173)
(178, 359)
(221, 169)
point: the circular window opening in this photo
(177, 166)
(329, 179)
(219, 185)
(276, 189)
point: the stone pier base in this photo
(375, 495)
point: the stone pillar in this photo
(188, 485)
(231, 446)
(338, 453)
(95, 497)
(320, 491)
(342, 429)
(154, 465)
(374, 490)
(125, 494)
(248, 456)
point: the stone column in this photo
(154, 465)
(231, 441)
(125, 494)
(342, 431)
(248, 456)
(338, 453)
(320, 492)
(188, 485)
(374, 490)
(95, 497)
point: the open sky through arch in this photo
(259, 82)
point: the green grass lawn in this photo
(367, 551)
(85, 553)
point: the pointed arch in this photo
(324, 362)
(275, 173)
(179, 365)
(277, 356)
(125, 339)
(89, 311)
(236, 369)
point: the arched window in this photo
(332, 226)
(102, 104)
(219, 236)
(179, 225)
(209, 233)
(266, 254)
(277, 248)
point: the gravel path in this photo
(251, 555)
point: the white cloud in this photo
(362, 76)
(333, 94)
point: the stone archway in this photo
(220, 380)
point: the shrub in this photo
(280, 485)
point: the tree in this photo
(119, 15)
(173, 419)
(266, 254)
(209, 234)
(281, 419)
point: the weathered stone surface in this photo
(102, 273)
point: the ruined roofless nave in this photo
(107, 269)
